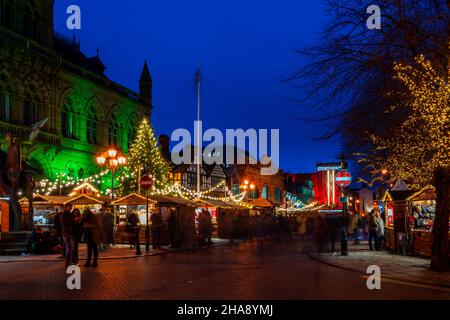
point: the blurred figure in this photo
(373, 231)
(93, 233)
(68, 230)
(108, 225)
(355, 225)
(77, 234)
(133, 228)
(301, 225)
(380, 232)
(172, 226)
(58, 228)
(156, 230)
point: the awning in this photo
(173, 200)
(427, 193)
(39, 199)
(85, 200)
(222, 204)
(262, 203)
(132, 199)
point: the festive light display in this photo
(145, 157)
(421, 142)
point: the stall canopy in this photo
(137, 199)
(427, 193)
(39, 199)
(85, 200)
(261, 203)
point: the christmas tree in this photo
(145, 158)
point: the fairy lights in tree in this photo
(421, 142)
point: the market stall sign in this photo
(343, 178)
(146, 182)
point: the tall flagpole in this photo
(198, 131)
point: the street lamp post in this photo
(112, 158)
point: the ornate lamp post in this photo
(113, 159)
(247, 184)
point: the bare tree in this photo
(350, 69)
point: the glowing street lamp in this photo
(112, 158)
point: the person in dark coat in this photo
(108, 225)
(77, 234)
(58, 229)
(172, 225)
(133, 225)
(156, 230)
(68, 231)
(92, 226)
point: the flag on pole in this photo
(36, 128)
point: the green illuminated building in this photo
(45, 75)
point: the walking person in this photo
(93, 234)
(172, 226)
(301, 225)
(156, 230)
(108, 225)
(134, 227)
(209, 228)
(68, 229)
(58, 229)
(77, 234)
(356, 225)
(380, 231)
(373, 231)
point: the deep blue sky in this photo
(243, 46)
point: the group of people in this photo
(133, 228)
(327, 230)
(96, 229)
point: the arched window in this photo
(30, 111)
(265, 192)
(131, 132)
(69, 120)
(278, 195)
(92, 127)
(254, 194)
(5, 107)
(113, 132)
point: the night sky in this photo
(243, 47)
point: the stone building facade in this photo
(44, 75)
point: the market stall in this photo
(394, 207)
(184, 209)
(422, 210)
(44, 209)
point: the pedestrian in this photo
(77, 234)
(172, 226)
(373, 231)
(92, 226)
(108, 225)
(58, 229)
(356, 226)
(301, 225)
(68, 229)
(156, 230)
(209, 228)
(380, 232)
(133, 225)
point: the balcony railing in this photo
(24, 133)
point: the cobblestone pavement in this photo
(256, 270)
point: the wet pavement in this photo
(270, 269)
